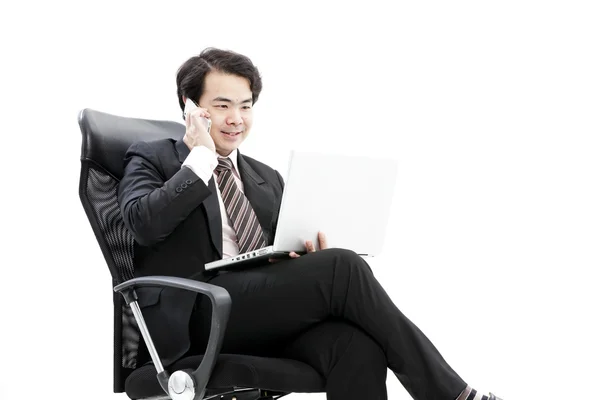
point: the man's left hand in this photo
(310, 247)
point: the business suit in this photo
(315, 308)
(180, 227)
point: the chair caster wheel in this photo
(181, 386)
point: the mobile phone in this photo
(189, 107)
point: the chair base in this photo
(268, 377)
(231, 394)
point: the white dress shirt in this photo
(203, 162)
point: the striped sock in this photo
(471, 394)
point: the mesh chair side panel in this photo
(101, 191)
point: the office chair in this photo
(105, 139)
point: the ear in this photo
(184, 99)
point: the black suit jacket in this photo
(176, 222)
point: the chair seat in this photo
(235, 370)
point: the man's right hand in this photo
(195, 130)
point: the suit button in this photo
(189, 181)
(178, 189)
(183, 185)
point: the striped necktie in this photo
(242, 216)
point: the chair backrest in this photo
(105, 140)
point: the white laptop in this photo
(346, 197)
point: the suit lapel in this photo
(257, 191)
(213, 212)
(259, 194)
(210, 204)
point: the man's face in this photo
(228, 99)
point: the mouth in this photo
(231, 134)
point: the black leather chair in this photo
(105, 140)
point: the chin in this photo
(231, 146)
(226, 150)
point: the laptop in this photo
(347, 197)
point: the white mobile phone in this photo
(189, 107)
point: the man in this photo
(196, 200)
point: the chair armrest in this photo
(221, 306)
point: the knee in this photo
(348, 259)
(345, 254)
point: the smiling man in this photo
(198, 199)
(231, 116)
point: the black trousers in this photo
(327, 309)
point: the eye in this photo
(221, 106)
(246, 107)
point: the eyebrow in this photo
(226, 100)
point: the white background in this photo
(492, 110)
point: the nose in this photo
(234, 117)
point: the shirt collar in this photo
(233, 156)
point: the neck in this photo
(224, 153)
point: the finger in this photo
(197, 119)
(309, 246)
(201, 112)
(272, 260)
(200, 124)
(293, 254)
(322, 241)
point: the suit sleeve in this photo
(151, 206)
